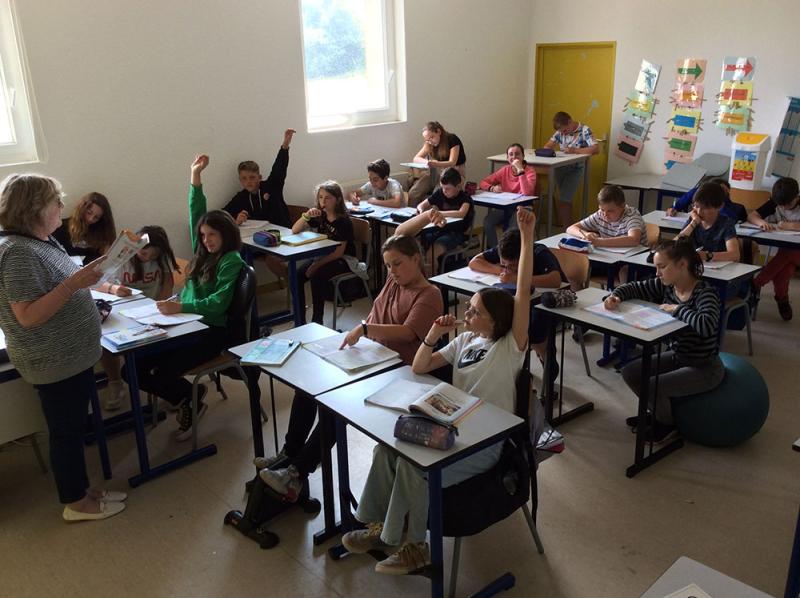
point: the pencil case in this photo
(424, 430)
(267, 238)
(545, 152)
(575, 245)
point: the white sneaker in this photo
(116, 393)
(107, 509)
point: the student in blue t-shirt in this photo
(713, 233)
(735, 211)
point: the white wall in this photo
(663, 32)
(128, 92)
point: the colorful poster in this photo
(628, 149)
(687, 121)
(640, 104)
(738, 68)
(744, 165)
(740, 92)
(733, 117)
(635, 127)
(691, 70)
(687, 95)
(681, 144)
(648, 77)
(786, 145)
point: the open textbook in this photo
(443, 402)
(641, 315)
(121, 251)
(364, 354)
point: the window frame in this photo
(394, 73)
(15, 85)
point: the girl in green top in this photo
(210, 283)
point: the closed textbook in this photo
(138, 335)
(270, 351)
(303, 238)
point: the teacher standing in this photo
(52, 330)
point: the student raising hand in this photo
(287, 138)
(198, 165)
(527, 222)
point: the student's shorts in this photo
(568, 178)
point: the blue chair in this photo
(729, 414)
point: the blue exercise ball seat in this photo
(729, 414)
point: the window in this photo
(353, 56)
(17, 140)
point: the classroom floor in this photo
(604, 534)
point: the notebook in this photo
(131, 337)
(149, 314)
(364, 354)
(633, 313)
(270, 351)
(307, 236)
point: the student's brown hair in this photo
(334, 189)
(784, 191)
(204, 264)
(405, 244)
(23, 200)
(441, 151)
(500, 305)
(451, 176)
(159, 240)
(709, 195)
(682, 248)
(560, 120)
(380, 167)
(611, 194)
(101, 234)
(249, 166)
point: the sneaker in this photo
(184, 417)
(361, 541)
(784, 308)
(411, 557)
(268, 462)
(285, 482)
(662, 432)
(554, 370)
(116, 393)
(577, 334)
(107, 509)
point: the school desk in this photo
(310, 373)
(549, 166)
(484, 427)
(291, 255)
(177, 336)
(650, 340)
(645, 182)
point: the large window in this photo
(17, 140)
(353, 56)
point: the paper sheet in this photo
(364, 354)
(149, 314)
(114, 298)
(633, 313)
(472, 276)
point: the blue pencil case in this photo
(574, 244)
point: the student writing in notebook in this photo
(486, 359)
(780, 212)
(440, 150)
(692, 364)
(329, 217)
(614, 224)
(210, 284)
(712, 233)
(400, 316)
(515, 177)
(381, 189)
(735, 211)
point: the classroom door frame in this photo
(539, 122)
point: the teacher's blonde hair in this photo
(23, 199)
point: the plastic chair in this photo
(653, 234)
(731, 305)
(575, 267)
(363, 236)
(473, 243)
(524, 472)
(295, 213)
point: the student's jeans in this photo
(492, 220)
(304, 450)
(65, 404)
(780, 270)
(162, 374)
(319, 287)
(567, 179)
(395, 488)
(676, 378)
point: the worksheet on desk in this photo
(633, 313)
(149, 314)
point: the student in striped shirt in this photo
(691, 364)
(614, 224)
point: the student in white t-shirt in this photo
(381, 190)
(486, 359)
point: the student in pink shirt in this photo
(516, 177)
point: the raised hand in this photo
(526, 220)
(287, 138)
(200, 162)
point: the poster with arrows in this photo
(786, 146)
(639, 107)
(691, 70)
(735, 98)
(686, 98)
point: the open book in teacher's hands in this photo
(364, 354)
(126, 245)
(444, 402)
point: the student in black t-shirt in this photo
(330, 218)
(452, 202)
(503, 260)
(713, 233)
(441, 150)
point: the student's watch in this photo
(709, 256)
(364, 327)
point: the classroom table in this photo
(549, 166)
(180, 335)
(291, 255)
(648, 339)
(648, 181)
(310, 373)
(485, 426)
(507, 205)
(686, 571)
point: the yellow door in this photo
(578, 79)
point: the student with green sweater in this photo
(210, 283)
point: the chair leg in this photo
(37, 451)
(454, 567)
(749, 333)
(585, 358)
(217, 379)
(152, 400)
(335, 302)
(194, 411)
(534, 532)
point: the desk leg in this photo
(138, 423)
(641, 200)
(722, 290)
(549, 384)
(437, 530)
(329, 510)
(100, 434)
(659, 199)
(297, 309)
(793, 578)
(586, 188)
(254, 393)
(551, 182)
(347, 518)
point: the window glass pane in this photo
(6, 123)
